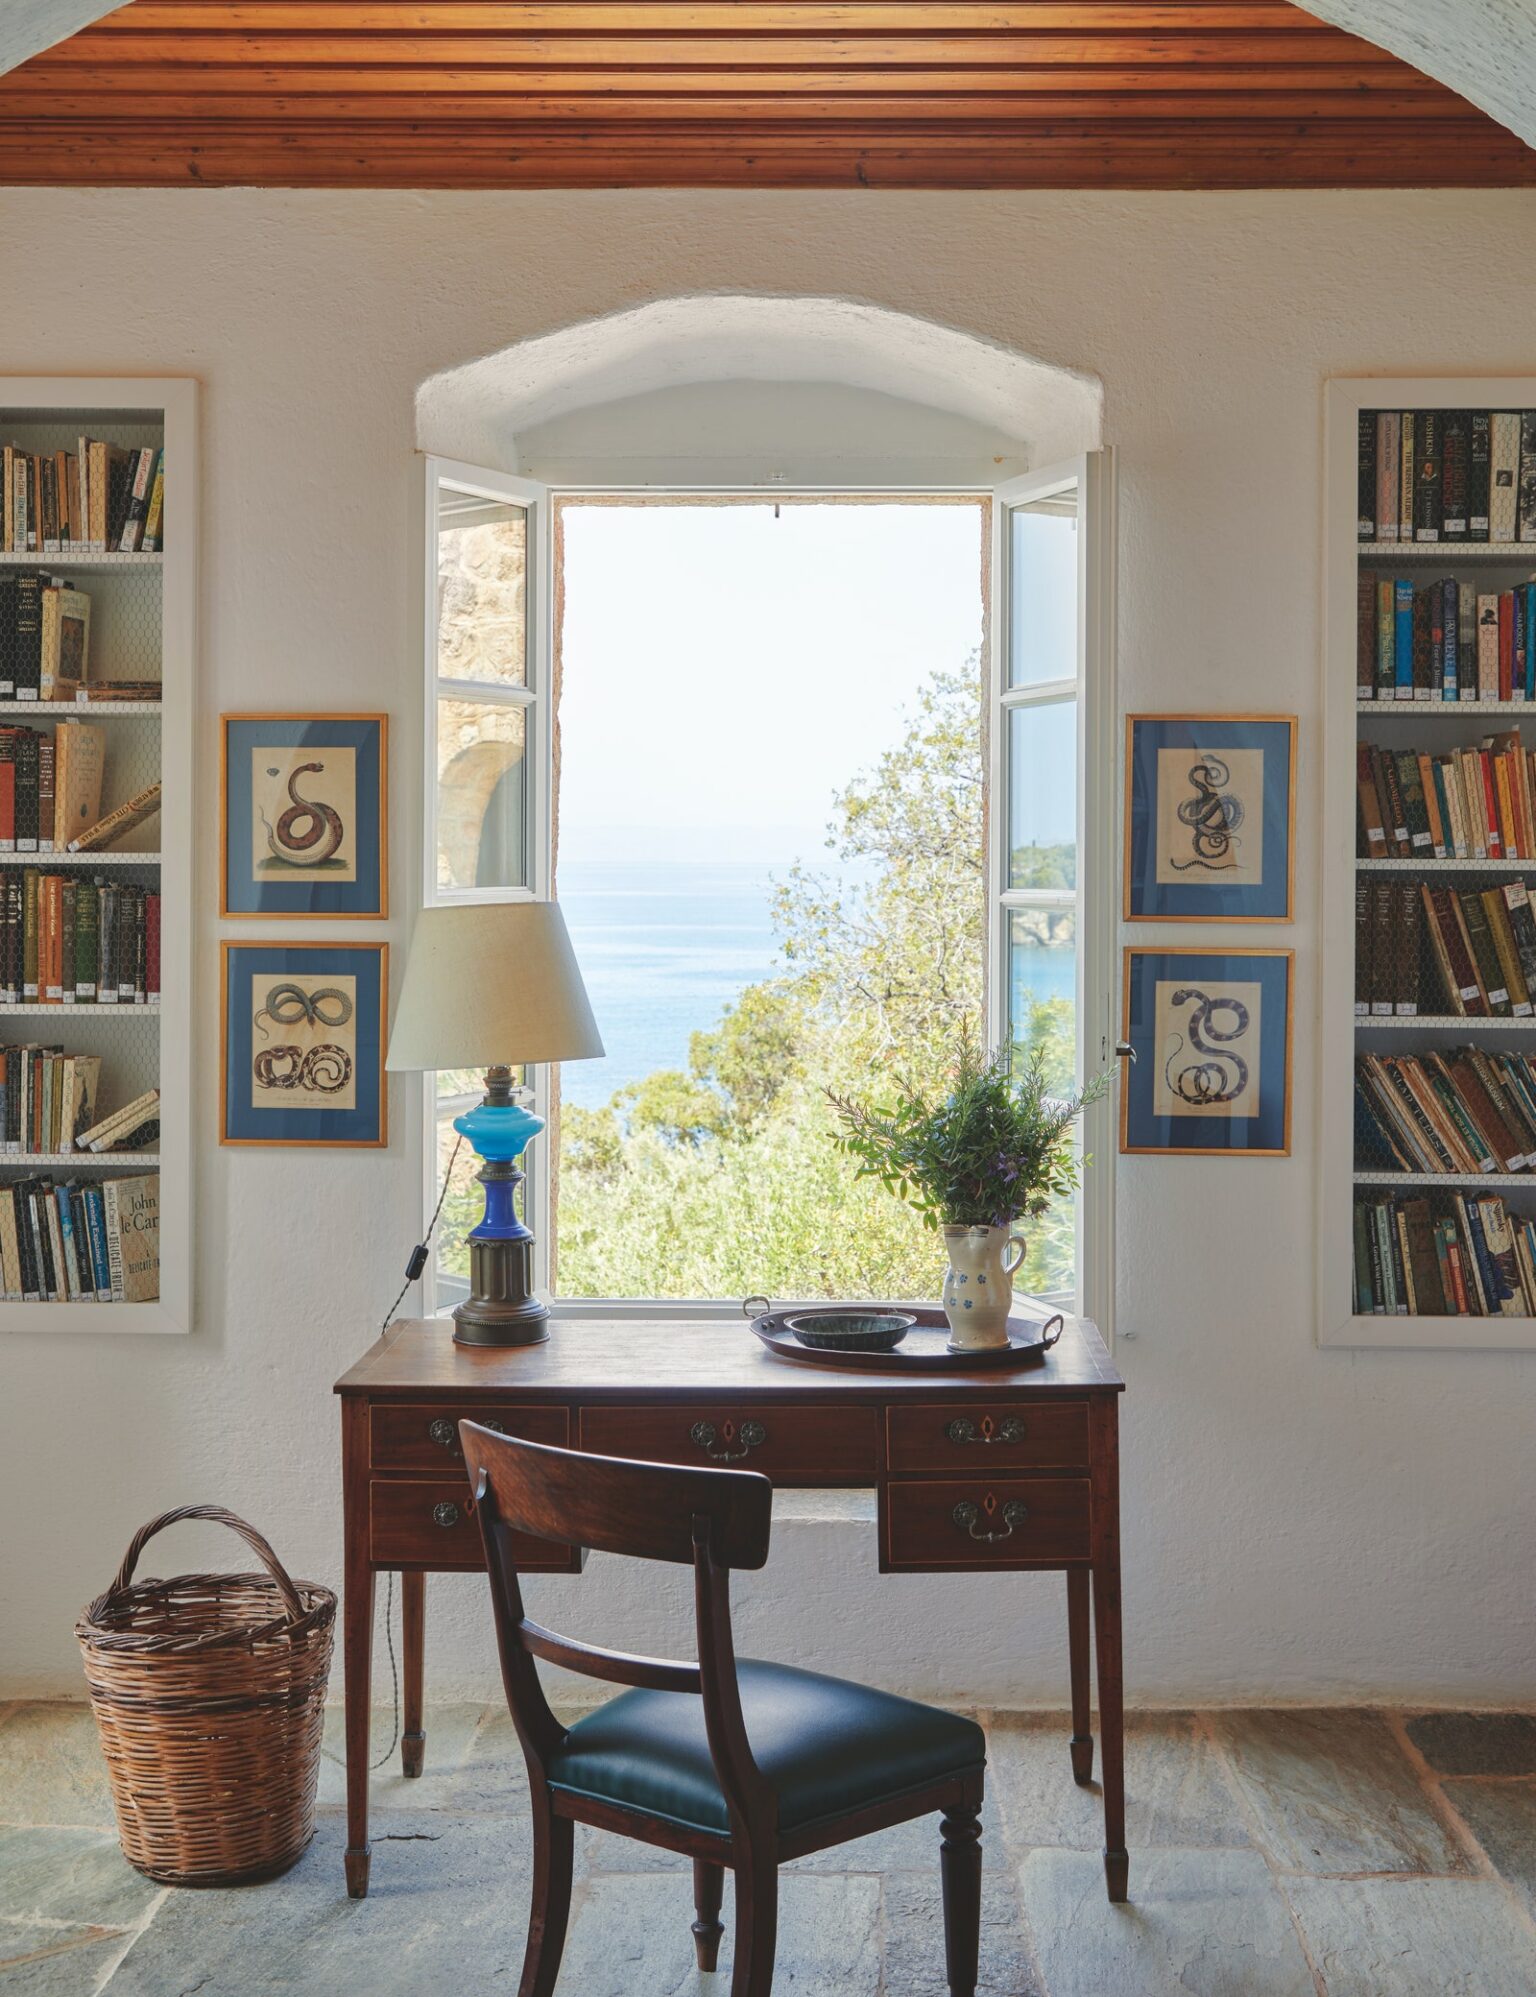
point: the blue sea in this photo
(665, 946)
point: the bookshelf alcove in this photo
(1427, 1022)
(142, 622)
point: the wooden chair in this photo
(741, 1765)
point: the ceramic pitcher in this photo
(978, 1288)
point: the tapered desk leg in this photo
(1106, 1629)
(357, 1637)
(1077, 1650)
(413, 1634)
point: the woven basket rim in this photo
(95, 1634)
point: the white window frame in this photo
(535, 697)
(1093, 687)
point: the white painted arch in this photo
(812, 390)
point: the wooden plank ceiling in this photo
(773, 93)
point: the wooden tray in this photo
(925, 1349)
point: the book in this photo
(117, 823)
(153, 529)
(133, 1237)
(110, 1130)
(80, 752)
(1526, 505)
(1389, 438)
(1366, 504)
(1504, 475)
(1428, 496)
(1455, 474)
(64, 643)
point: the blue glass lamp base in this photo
(500, 1308)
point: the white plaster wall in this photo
(1298, 1524)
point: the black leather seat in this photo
(827, 1747)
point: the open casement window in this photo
(490, 814)
(1051, 821)
(487, 775)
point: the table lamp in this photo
(494, 985)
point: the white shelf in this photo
(1453, 551)
(87, 1317)
(109, 859)
(78, 710)
(1445, 1179)
(124, 1009)
(1447, 1021)
(1442, 710)
(1467, 1334)
(1431, 866)
(1350, 721)
(145, 619)
(54, 558)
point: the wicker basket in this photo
(209, 1693)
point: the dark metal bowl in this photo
(851, 1330)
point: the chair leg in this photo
(708, 1892)
(553, 1857)
(757, 1927)
(960, 1868)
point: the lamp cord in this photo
(413, 1269)
(418, 1261)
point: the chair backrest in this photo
(711, 1520)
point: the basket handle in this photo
(248, 1533)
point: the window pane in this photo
(482, 794)
(482, 566)
(1042, 1013)
(1042, 590)
(1042, 796)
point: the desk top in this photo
(672, 1359)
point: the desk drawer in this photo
(791, 1445)
(430, 1522)
(987, 1440)
(1005, 1522)
(425, 1435)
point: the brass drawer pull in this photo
(445, 1515)
(968, 1516)
(751, 1435)
(986, 1431)
(446, 1432)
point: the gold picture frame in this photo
(1139, 1116)
(363, 739)
(352, 981)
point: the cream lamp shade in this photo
(492, 984)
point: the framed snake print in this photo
(1211, 1034)
(303, 1049)
(1210, 817)
(304, 815)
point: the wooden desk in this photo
(974, 1471)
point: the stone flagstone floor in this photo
(1273, 1854)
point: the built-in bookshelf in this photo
(1427, 1110)
(95, 945)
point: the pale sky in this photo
(725, 671)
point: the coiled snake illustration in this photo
(323, 830)
(1222, 1077)
(1212, 815)
(325, 1069)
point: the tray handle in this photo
(755, 1306)
(1046, 1342)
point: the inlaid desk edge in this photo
(975, 1471)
